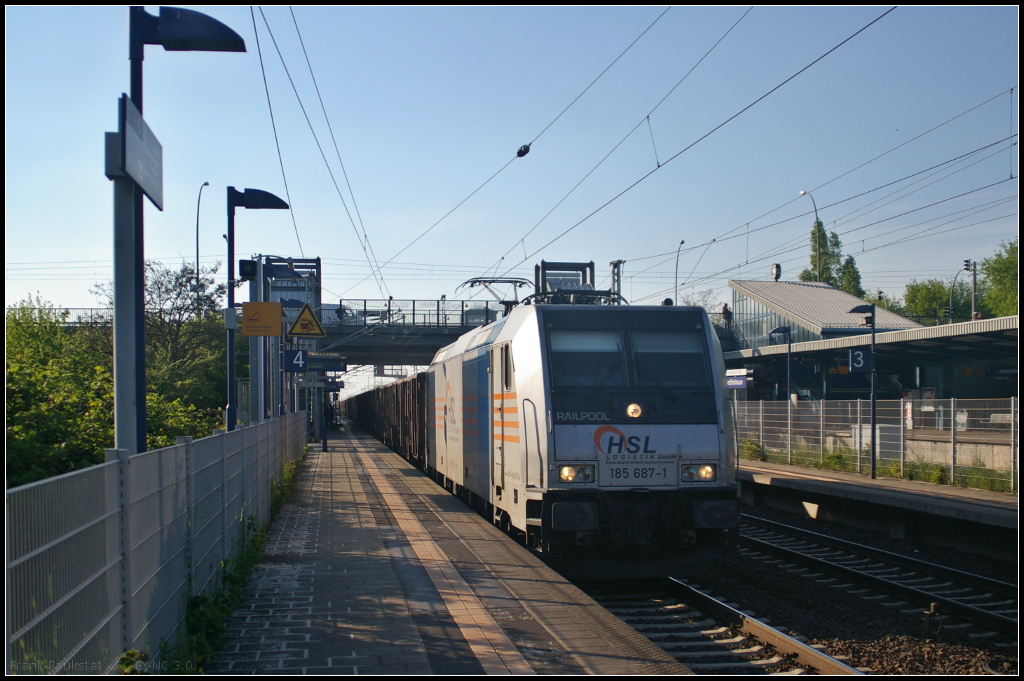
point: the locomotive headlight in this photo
(698, 472)
(578, 473)
(633, 411)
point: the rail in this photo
(103, 560)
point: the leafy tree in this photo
(185, 339)
(59, 395)
(849, 278)
(930, 297)
(60, 378)
(1000, 272)
(828, 265)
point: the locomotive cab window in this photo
(670, 358)
(587, 358)
(506, 367)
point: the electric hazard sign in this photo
(306, 324)
(261, 319)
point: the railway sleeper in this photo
(684, 645)
(696, 634)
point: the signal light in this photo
(246, 270)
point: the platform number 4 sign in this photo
(295, 361)
(860, 361)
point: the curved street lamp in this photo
(247, 198)
(176, 30)
(199, 201)
(816, 221)
(675, 291)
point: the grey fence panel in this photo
(207, 523)
(159, 524)
(971, 443)
(63, 573)
(68, 574)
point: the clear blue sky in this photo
(427, 103)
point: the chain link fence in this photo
(103, 560)
(969, 443)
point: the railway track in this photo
(705, 634)
(897, 581)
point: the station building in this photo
(972, 360)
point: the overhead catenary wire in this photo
(522, 239)
(711, 132)
(277, 142)
(525, 147)
(775, 255)
(315, 138)
(725, 236)
(366, 239)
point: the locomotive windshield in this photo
(670, 358)
(587, 358)
(627, 349)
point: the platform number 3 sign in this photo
(860, 361)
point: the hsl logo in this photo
(618, 443)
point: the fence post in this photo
(952, 440)
(124, 541)
(789, 428)
(223, 500)
(1013, 444)
(190, 505)
(903, 436)
(821, 433)
(760, 428)
(860, 437)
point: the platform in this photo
(968, 519)
(372, 568)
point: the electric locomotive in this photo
(599, 433)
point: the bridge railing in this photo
(104, 559)
(367, 312)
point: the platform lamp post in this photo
(813, 203)
(869, 311)
(789, 382)
(175, 30)
(247, 198)
(675, 291)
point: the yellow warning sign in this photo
(307, 324)
(261, 319)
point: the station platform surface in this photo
(372, 568)
(998, 509)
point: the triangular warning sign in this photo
(307, 324)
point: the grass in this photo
(976, 476)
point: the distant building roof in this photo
(819, 307)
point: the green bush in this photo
(751, 450)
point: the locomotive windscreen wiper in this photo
(669, 395)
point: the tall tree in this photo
(1000, 273)
(828, 264)
(849, 278)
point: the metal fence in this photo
(102, 560)
(411, 312)
(970, 443)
